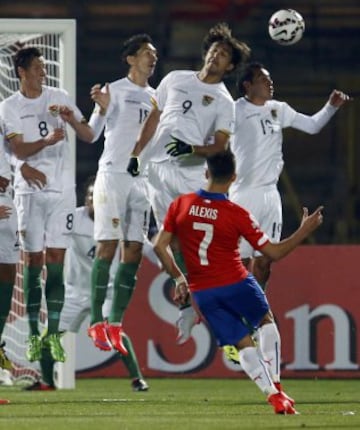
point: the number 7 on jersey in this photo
(204, 244)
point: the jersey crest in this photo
(115, 222)
(274, 113)
(206, 100)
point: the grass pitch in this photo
(186, 404)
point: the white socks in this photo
(270, 347)
(256, 369)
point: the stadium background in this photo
(320, 169)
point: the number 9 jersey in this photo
(192, 111)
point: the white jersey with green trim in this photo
(192, 111)
(129, 106)
(257, 142)
(32, 118)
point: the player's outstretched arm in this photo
(312, 124)
(309, 223)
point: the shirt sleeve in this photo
(169, 224)
(160, 96)
(11, 121)
(250, 230)
(314, 123)
(225, 120)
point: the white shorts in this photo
(9, 243)
(45, 219)
(122, 207)
(77, 307)
(264, 203)
(168, 181)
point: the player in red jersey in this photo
(208, 227)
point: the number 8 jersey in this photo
(32, 118)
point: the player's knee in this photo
(245, 342)
(106, 249)
(131, 252)
(34, 259)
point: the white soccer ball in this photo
(286, 26)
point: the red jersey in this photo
(209, 227)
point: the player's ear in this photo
(230, 68)
(246, 85)
(20, 72)
(130, 59)
(207, 174)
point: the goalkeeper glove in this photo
(133, 166)
(177, 147)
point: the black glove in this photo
(177, 147)
(133, 166)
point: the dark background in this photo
(319, 169)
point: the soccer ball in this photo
(286, 26)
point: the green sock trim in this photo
(130, 360)
(124, 285)
(6, 290)
(99, 284)
(32, 296)
(54, 293)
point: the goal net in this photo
(57, 41)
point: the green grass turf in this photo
(186, 404)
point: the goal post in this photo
(25, 30)
(56, 39)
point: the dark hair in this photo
(24, 57)
(221, 166)
(222, 33)
(247, 75)
(133, 44)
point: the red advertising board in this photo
(314, 294)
